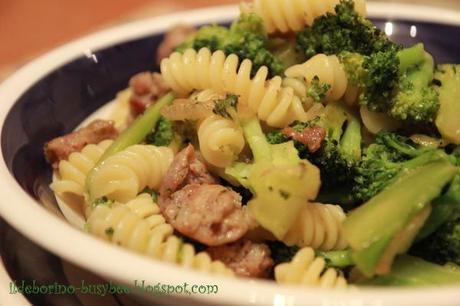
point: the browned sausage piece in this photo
(185, 169)
(210, 214)
(312, 137)
(146, 88)
(193, 203)
(173, 38)
(60, 148)
(244, 257)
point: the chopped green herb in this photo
(226, 107)
(317, 90)
(152, 193)
(109, 231)
(285, 194)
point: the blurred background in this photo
(29, 28)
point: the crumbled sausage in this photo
(185, 169)
(146, 89)
(210, 214)
(173, 38)
(312, 137)
(193, 203)
(244, 257)
(60, 148)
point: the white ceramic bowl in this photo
(55, 234)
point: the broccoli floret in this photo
(162, 135)
(388, 223)
(382, 161)
(340, 150)
(343, 31)
(444, 245)
(415, 99)
(246, 38)
(226, 107)
(317, 91)
(398, 83)
(448, 79)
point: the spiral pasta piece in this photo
(122, 176)
(329, 71)
(139, 226)
(274, 104)
(73, 171)
(293, 15)
(308, 270)
(318, 226)
(221, 140)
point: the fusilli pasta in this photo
(329, 71)
(73, 171)
(274, 104)
(318, 226)
(309, 270)
(122, 176)
(292, 16)
(221, 140)
(140, 227)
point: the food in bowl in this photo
(306, 148)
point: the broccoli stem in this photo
(425, 159)
(256, 139)
(350, 144)
(370, 228)
(134, 134)
(337, 259)
(443, 208)
(137, 131)
(413, 271)
(410, 57)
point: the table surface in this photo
(29, 28)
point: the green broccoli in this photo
(398, 83)
(439, 239)
(317, 91)
(280, 181)
(246, 38)
(226, 107)
(388, 223)
(343, 31)
(340, 151)
(448, 79)
(413, 271)
(444, 245)
(382, 161)
(162, 135)
(415, 99)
